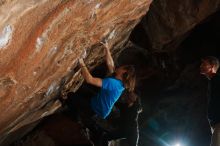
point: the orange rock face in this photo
(40, 43)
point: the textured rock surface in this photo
(169, 20)
(40, 43)
(57, 130)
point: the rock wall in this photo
(169, 21)
(57, 130)
(40, 43)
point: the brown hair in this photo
(129, 78)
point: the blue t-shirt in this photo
(109, 93)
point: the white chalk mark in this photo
(95, 11)
(98, 6)
(111, 35)
(51, 89)
(108, 36)
(44, 37)
(84, 54)
(39, 43)
(5, 36)
(52, 51)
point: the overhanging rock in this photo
(40, 43)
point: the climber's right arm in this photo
(109, 60)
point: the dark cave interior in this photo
(174, 98)
(173, 92)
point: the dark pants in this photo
(131, 134)
(79, 105)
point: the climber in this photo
(111, 87)
(127, 124)
(210, 68)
